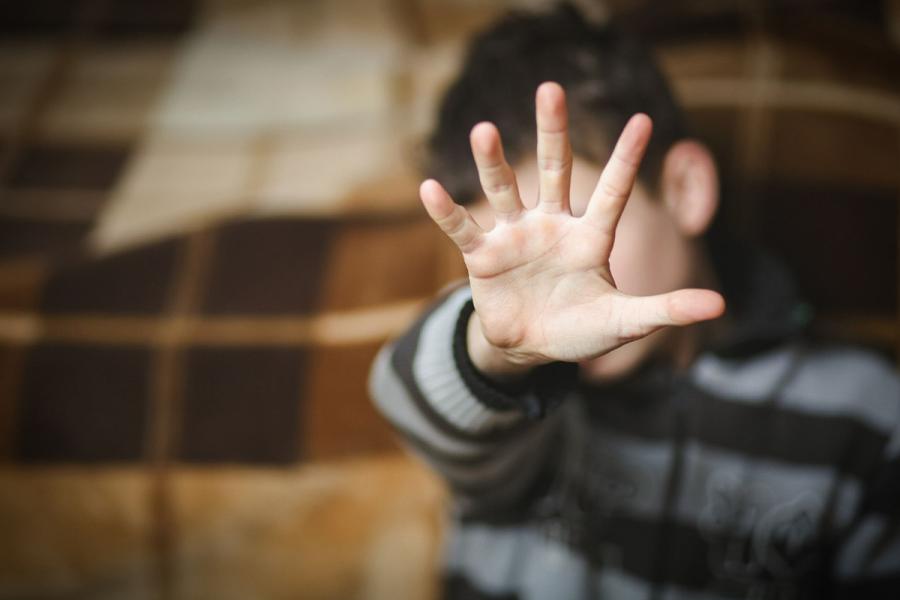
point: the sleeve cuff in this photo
(534, 395)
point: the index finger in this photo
(453, 219)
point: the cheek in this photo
(649, 257)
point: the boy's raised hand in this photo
(540, 279)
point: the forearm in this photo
(483, 451)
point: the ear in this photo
(690, 187)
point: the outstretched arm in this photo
(543, 296)
(540, 279)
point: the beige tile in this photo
(173, 184)
(362, 529)
(310, 20)
(443, 20)
(265, 66)
(110, 92)
(24, 65)
(71, 532)
(366, 170)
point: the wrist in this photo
(490, 360)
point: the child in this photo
(719, 457)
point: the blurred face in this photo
(650, 256)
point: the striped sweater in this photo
(771, 475)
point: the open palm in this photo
(541, 282)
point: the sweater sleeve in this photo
(490, 443)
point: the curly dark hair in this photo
(608, 76)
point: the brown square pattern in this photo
(242, 405)
(848, 232)
(83, 404)
(833, 147)
(378, 262)
(717, 128)
(339, 419)
(164, 17)
(38, 16)
(81, 167)
(269, 267)
(132, 282)
(36, 237)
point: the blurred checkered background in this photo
(209, 224)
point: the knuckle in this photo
(611, 189)
(497, 187)
(629, 331)
(453, 225)
(496, 179)
(628, 324)
(551, 164)
(624, 161)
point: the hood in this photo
(764, 304)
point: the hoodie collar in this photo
(765, 307)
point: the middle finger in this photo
(553, 151)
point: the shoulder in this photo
(825, 379)
(836, 372)
(848, 381)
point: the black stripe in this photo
(523, 508)
(631, 541)
(510, 495)
(762, 430)
(883, 588)
(456, 586)
(778, 433)
(423, 447)
(723, 563)
(481, 459)
(884, 493)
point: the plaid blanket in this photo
(208, 225)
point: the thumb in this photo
(646, 314)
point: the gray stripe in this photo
(834, 381)
(761, 495)
(520, 561)
(488, 557)
(523, 561)
(435, 372)
(679, 593)
(851, 560)
(393, 400)
(747, 380)
(613, 583)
